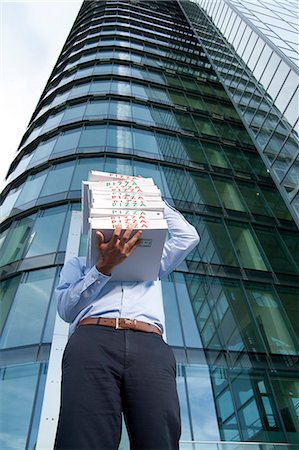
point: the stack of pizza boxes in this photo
(109, 199)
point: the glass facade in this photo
(134, 92)
(253, 46)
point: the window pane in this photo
(119, 137)
(46, 232)
(93, 136)
(217, 245)
(194, 150)
(16, 241)
(145, 141)
(31, 188)
(117, 165)
(59, 179)
(43, 150)
(202, 404)
(67, 141)
(82, 168)
(173, 327)
(276, 252)
(97, 109)
(18, 385)
(29, 309)
(271, 319)
(74, 113)
(206, 190)
(246, 247)
(216, 155)
(7, 292)
(229, 195)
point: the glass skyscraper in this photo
(136, 91)
(254, 48)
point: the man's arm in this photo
(183, 238)
(77, 290)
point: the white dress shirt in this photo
(84, 292)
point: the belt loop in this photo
(98, 320)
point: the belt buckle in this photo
(126, 322)
(117, 326)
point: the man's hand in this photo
(117, 249)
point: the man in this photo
(116, 359)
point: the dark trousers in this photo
(107, 372)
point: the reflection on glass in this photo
(274, 325)
(16, 241)
(27, 315)
(18, 384)
(202, 406)
(46, 232)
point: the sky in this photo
(32, 36)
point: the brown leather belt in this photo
(121, 324)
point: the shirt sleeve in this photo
(77, 290)
(183, 238)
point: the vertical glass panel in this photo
(120, 137)
(120, 87)
(100, 86)
(196, 103)
(216, 155)
(173, 324)
(191, 335)
(152, 171)
(185, 121)
(184, 409)
(181, 185)
(43, 150)
(93, 136)
(120, 110)
(52, 122)
(27, 315)
(229, 194)
(82, 168)
(277, 253)
(31, 188)
(205, 126)
(73, 113)
(97, 109)
(139, 90)
(7, 292)
(9, 203)
(271, 320)
(142, 114)
(117, 165)
(237, 159)
(18, 385)
(21, 167)
(289, 300)
(202, 404)
(194, 149)
(46, 232)
(276, 203)
(286, 389)
(67, 141)
(58, 179)
(80, 89)
(171, 147)
(246, 247)
(241, 332)
(217, 244)
(145, 141)
(206, 190)
(16, 240)
(254, 199)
